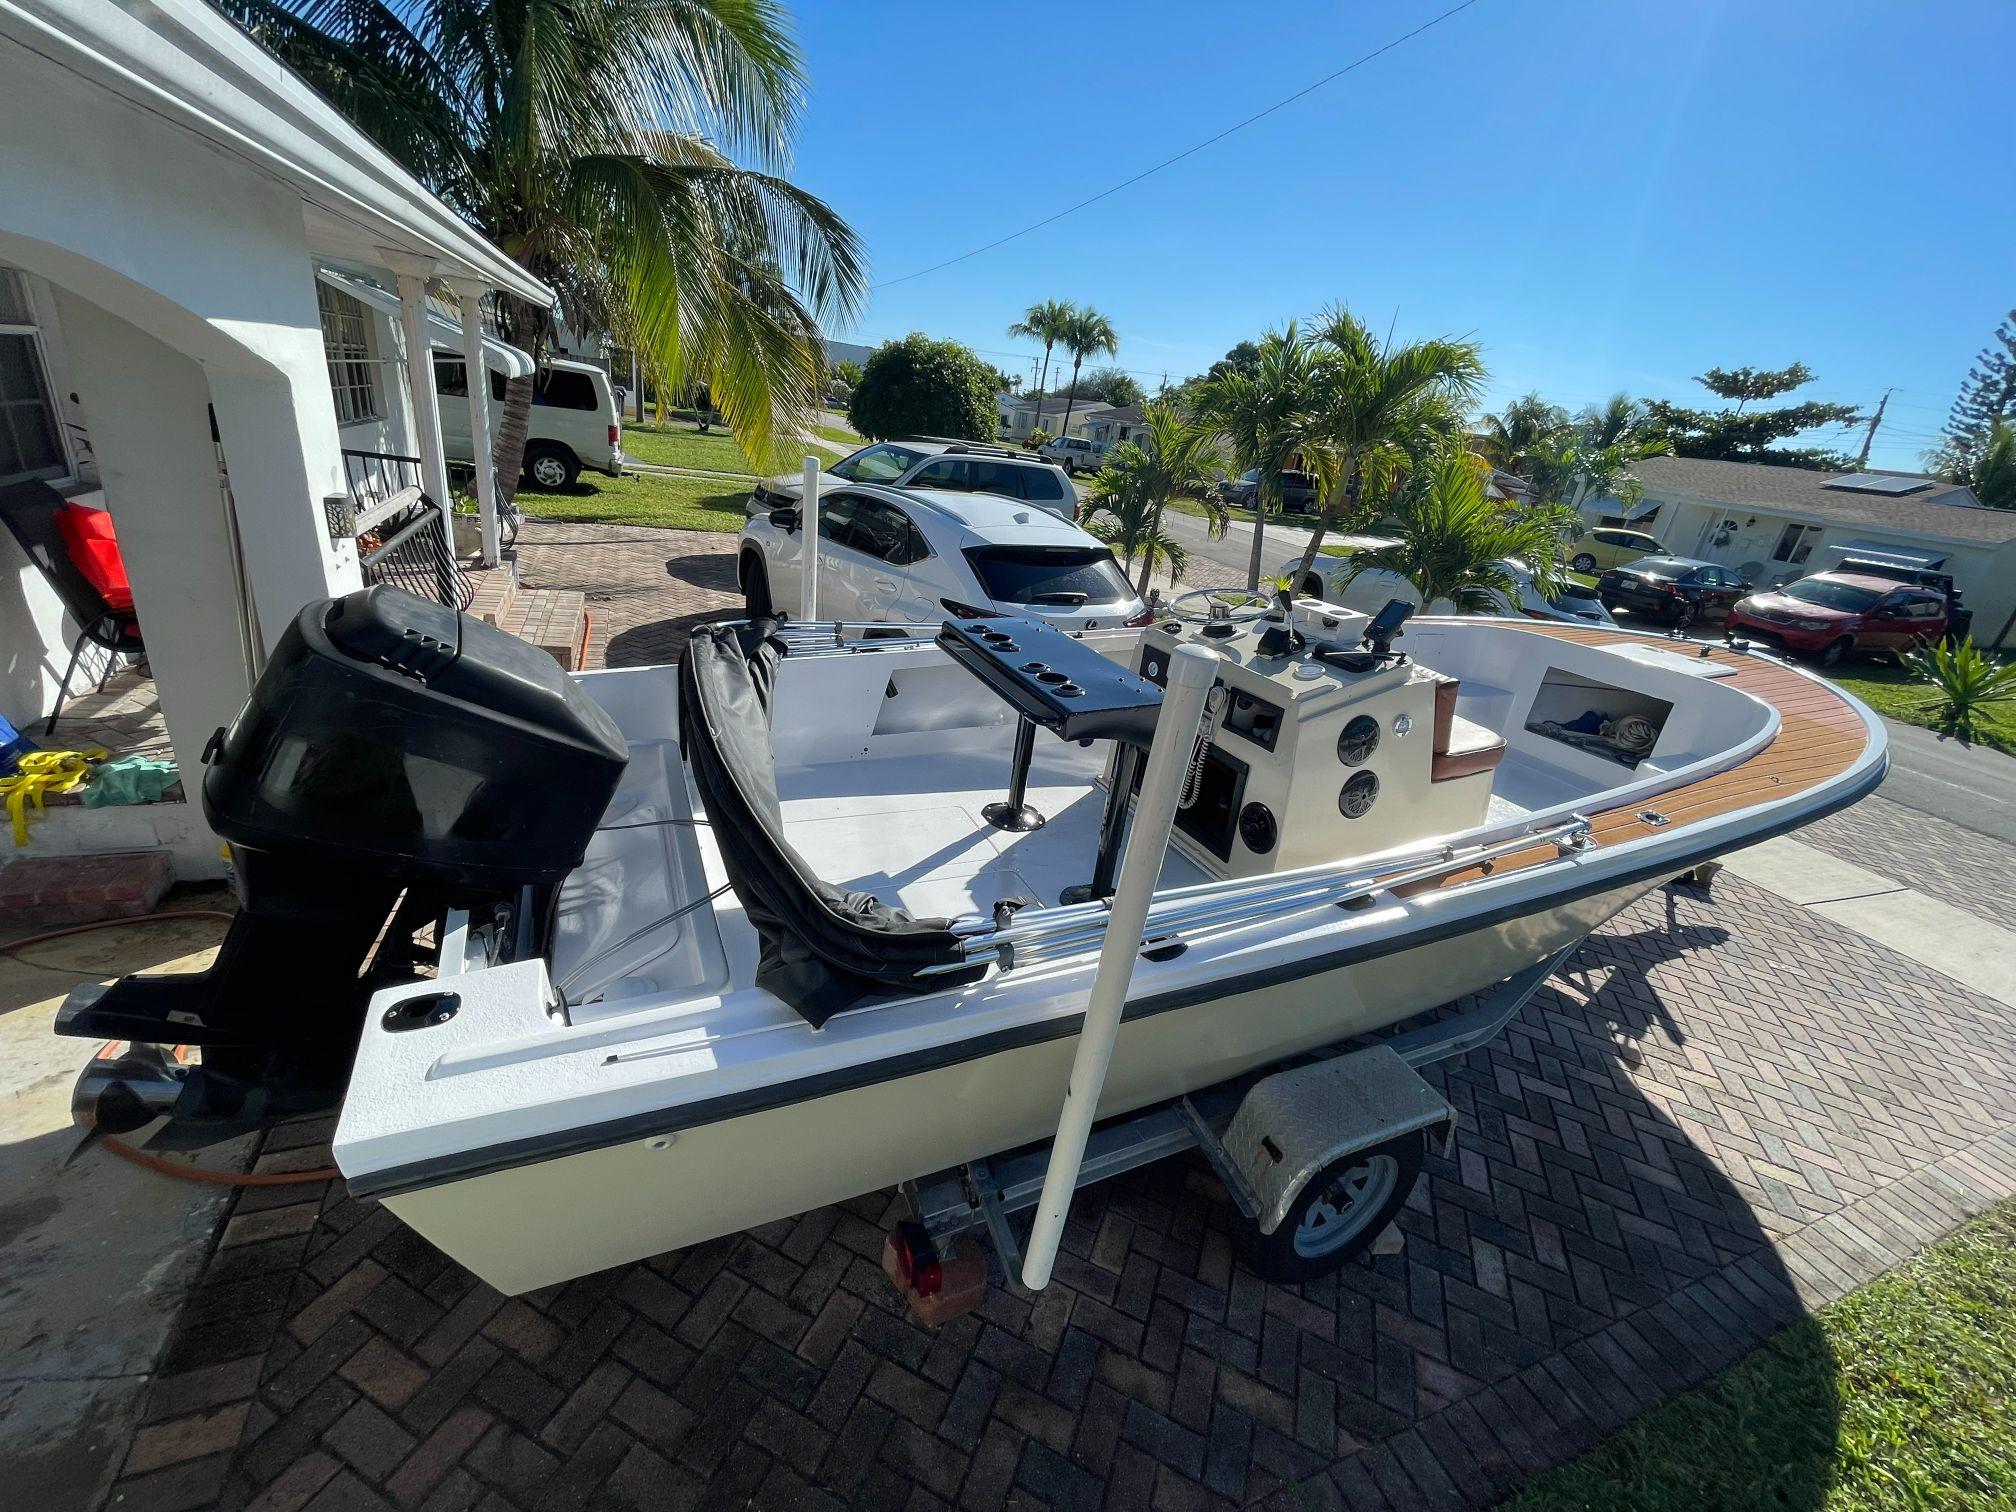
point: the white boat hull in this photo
(534, 1224)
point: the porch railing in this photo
(403, 538)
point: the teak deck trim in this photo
(1820, 736)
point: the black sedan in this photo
(1678, 590)
(1298, 489)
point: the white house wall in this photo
(184, 278)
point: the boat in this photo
(673, 952)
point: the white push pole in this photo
(1191, 672)
(808, 529)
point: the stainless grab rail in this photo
(1075, 930)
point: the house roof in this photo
(188, 65)
(1053, 404)
(1126, 414)
(1945, 510)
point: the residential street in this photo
(1222, 563)
(1973, 788)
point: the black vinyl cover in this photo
(823, 950)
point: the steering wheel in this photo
(1220, 606)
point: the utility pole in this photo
(1862, 462)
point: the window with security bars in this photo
(346, 343)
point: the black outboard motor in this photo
(396, 759)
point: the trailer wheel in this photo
(1339, 1211)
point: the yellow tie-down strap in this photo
(39, 773)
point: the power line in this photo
(1191, 151)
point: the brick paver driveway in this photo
(646, 588)
(1725, 1113)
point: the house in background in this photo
(1020, 415)
(1110, 427)
(214, 288)
(838, 352)
(1773, 524)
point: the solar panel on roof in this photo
(1877, 483)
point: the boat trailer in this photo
(1318, 1155)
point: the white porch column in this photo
(413, 274)
(148, 408)
(469, 295)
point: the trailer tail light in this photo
(1145, 617)
(917, 1259)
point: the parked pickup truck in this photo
(1074, 453)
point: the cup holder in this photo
(1035, 666)
(1054, 679)
(1006, 647)
(1068, 690)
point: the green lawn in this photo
(1897, 1396)
(1245, 516)
(682, 445)
(1892, 690)
(645, 499)
(847, 441)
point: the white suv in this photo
(914, 556)
(574, 423)
(926, 462)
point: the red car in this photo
(1830, 614)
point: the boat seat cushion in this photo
(823, 949)
(1471, 748)
(1445, 710)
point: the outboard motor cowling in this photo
(394, 755)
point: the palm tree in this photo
(1509, 438)
(1046, 322)
(1451, 541)
(580, 138)
(1593, 456)
(1125, 512)
(1992, 472)
(1086, 334)
(1176, 455)
(1264, 414)
(1376, 408)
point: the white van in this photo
(574, 420)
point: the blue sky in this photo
(1605, 193)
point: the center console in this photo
(1327, 744)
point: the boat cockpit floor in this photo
(915, 838)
